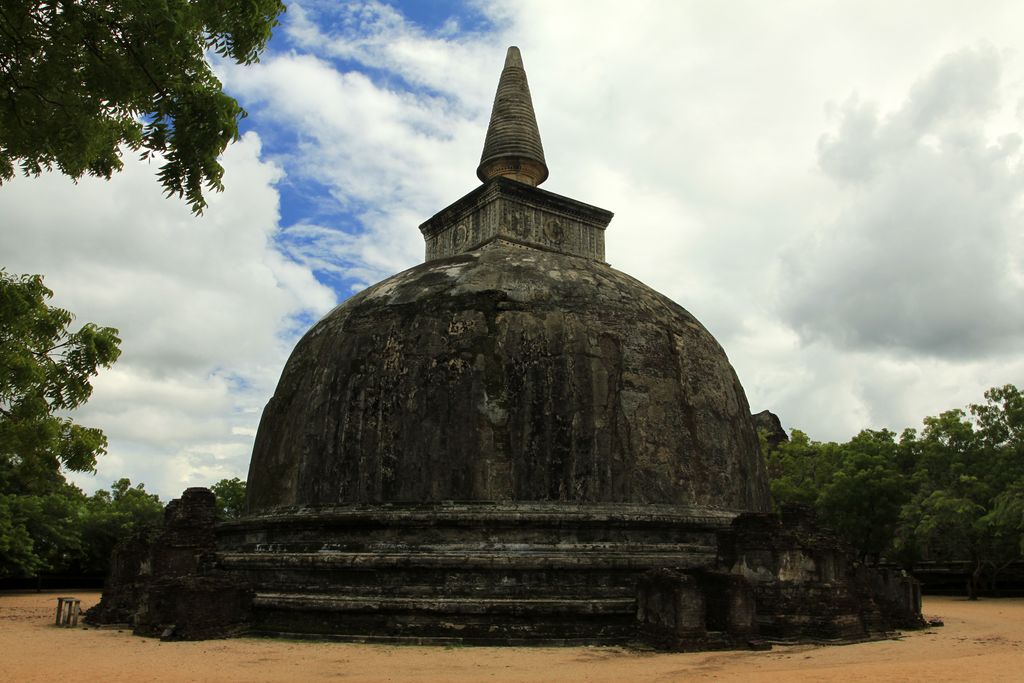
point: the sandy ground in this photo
(981, 641)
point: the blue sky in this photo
(834, 189)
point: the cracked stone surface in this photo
(508, 374)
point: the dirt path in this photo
(981, 641)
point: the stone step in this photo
(447, 605)
(445, 581)
(459, 560)
(487, 514)
(464, 620)
(463, 591)
(478, 547)
(469, 526)
(606, 637)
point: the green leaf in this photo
(82, 80)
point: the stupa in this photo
(513, 366)
(512, 442)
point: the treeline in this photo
(952, 492)
(50, 527)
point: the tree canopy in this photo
(230, 494)
(106, 517)
(45, 371)
(954, 492)
(63, 531)
(82, 78)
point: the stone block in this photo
(194, 608)
(731, 604)
(670, 610)
(509, 210)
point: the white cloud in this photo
(924, 257)
(202, 305)
(378, 151)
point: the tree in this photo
(64, 531)
(863, 499)
(797, 469)
(82, 78)
(855, 487)
(1001, 420)
(109, 516)
(969, 479)
(954, 493)
(38, 531)
(44, 372)
(230, 495)
(1006, 520)
(34, 532)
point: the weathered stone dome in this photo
(513, 366)
(508, 373)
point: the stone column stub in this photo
(503, 209)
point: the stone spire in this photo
(509, 208)
(512, 148)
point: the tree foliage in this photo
(82, 78)
(37, 531)
(954, 492)
(856, 487)
(865, 494)
(109, 516)
(46, 371)
(230, 495)
(63, 531)
(968, 475)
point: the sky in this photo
(835, 189)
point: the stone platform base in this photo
(505, 574)
(484, 573)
